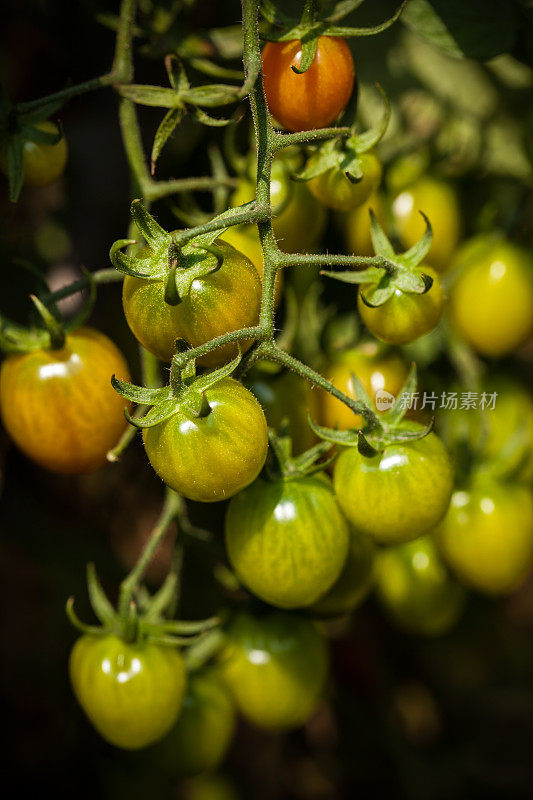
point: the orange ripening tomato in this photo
(315, 98)
(59, 406)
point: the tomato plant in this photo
(399, 493)
(231, 437)
(221, 301)
(487, 535)
(132, 693)
(416, 589)
(199, 740)
(491, 301)
(58, 405)
(336, 191)
(276, 667)
(316, 98)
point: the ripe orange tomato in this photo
(59, 406)
(376, 373)
(316, 98)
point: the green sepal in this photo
(211, 95)
(177, 76)
(44, 111)
(395, 414)
(345, 438)
(370, 275)
(342, 9)
(33, 134)
(101, 606)
(371, 31)
(364, 446)
(85, 311)
(207, 380)
(159, 602)
(417, 253)
(166, 128)
(160, 412)
(309, 48)
(54, 327)
(380, 240)
(363, 142)
(377, 295)
(413, 282)
(156, 236)
(91, 630)
(127, 264)
(139, 394)
(212, 122)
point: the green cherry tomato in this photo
(286, 397)
(222, 301)
(59, 406)
(416, 589)
(491, 301)
(377, 372)
(398, 494)
(336, 191)
(131, 693)
(276, 667)
(298, 219)
(43, 163)
(199, 740)
(487, 535)
(490, 430)
(405, 316)
(287, 539)
(438, 200)
(213, 457)
(245, 239)
(354, 582)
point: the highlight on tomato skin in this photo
(59, 407)
(315, 98)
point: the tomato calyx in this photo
(343, 154)
(52, 331)
(387, 428)
(185, 393)
(281, 465)
(144, 618)
(311, 25)
(400, 272)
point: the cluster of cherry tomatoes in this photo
(308, 545)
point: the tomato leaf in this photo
(156, 96)
(166, 128)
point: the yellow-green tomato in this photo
(438, 200)
(335, 190)
(487, 535)
(354, 582)
(245, 239)
(199, 740)
(212, 457)
(287, 539)
(221, 301)
(132, 693)
(398, 494)
(43, 163)
(276, 667)
(491, 301)
(416, 589)
(405, 316)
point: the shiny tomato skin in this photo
(298, 219)
(59, 406)
(245, 239)
(405, 316)
(287, 539)
(416, 589)
(375, 371)
(491, 301)
(200, 739)
(438, 200)
(336, 191)
(132, 693)
(487, 536)
(286, 397)
(355, 225)
(315, 98)
(276, 667)
(398, 494)
(211, 458)
(355, 581)
(43, 163)
(220, 302)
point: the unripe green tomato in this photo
(354, 582)
(487, 535)
(298, 218)
(355, 225)
(221, 301)
(276, 667)
(132, 693)
(491, 301)
(335, 190)
(287, 539)
(416, 589)
(492, 428)
(199, 740)
(438, 200)
(405, 316)
(286, 397)
(398, 494)
(211, 458)
(43, 163)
